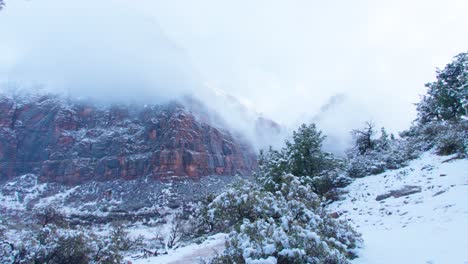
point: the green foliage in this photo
(51, 244)
(106, 253)
(442, 122)
(303, 156)
(70, 249)
(288, 225)
(229, 208)
(373, 154)
(447, 98)
(445, 137)
(119, 237)
(49, 215)
(441, 125)
(304, 153)
(363, 138)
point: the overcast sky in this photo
(289, 57)
(284, 58)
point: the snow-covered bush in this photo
(303, 156)
(221, 213)
(442, 122)
(447, 97)
(445, 137)
(49, 215)
(441, 125)
(288, 225)
(320, 171)
(51, 244)
(397, 155)
(372, 155)
(121, 239)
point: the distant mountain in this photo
(239, 116)
(74, 141)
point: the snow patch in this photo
(422, 227)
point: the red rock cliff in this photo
(74, 142)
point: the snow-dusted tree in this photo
(442, 122)
(2, 4)
(288, 225)
(364, 138)
(55, 245)
(49, 215)
(447, 98)
(372, 154)
(121, 239)
(272, 166)
(303, 156)
(175, 233)
(384, 141)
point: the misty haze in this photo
(233, 131)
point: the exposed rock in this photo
(72, 142)
(335, 215)
(439, 193)
(405, 191)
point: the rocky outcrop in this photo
(73, 142)
(404, 191)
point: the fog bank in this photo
(283, 60)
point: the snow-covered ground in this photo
(430, 226)
(417, 214)
(420, 216)
(192, 253)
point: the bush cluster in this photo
(280, 217)
(441, 126)
(302, 157)
(52, 240)
(285, 225)
(373, 153)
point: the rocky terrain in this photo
(101, 202)
(76, 141)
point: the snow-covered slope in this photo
(417, 214)
(193, 253)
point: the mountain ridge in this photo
(74, 141)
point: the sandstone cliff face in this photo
(75, 142)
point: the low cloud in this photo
(282, 59)
(101, 49)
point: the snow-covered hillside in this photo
(417, 214)
(193, 253)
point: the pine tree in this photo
(304, 153)
(302, 156)
(383, 143)
(447, 98)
